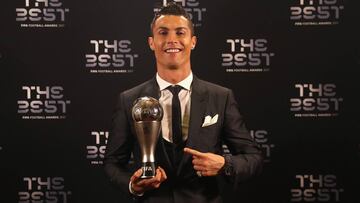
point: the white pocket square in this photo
(210, 121)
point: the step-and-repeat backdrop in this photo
(293, 66)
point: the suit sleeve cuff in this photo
(133, 192)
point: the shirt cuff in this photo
(133, 192)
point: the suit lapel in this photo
(151, 89)
(199, 95)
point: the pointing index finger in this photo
(194, 152)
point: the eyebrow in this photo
(178, 28)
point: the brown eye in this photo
(163, 32)
(180, 32)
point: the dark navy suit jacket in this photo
(183, 185)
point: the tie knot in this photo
(174, 89)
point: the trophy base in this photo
(148, 170)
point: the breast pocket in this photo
(210, 136)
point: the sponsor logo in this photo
(316, 188)
(111, 56)
(247, 55)
(42, 13)
(44, 189)
(261, 137)
(316, 100)
(46, 102)
(96, 150)
(316, 12)
(194, 9)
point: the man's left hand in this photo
(206, 164)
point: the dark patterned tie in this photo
(176, 114)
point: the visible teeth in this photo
(172, 50)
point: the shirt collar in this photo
(186, 83)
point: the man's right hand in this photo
(139, 185)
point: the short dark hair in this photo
(172, 8)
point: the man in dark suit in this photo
(188, 155)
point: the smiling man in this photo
(172, 42)
(189, 151)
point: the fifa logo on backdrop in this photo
(247, 55)
(192, 7)
(44, 189)
(111, 56)
(43, 103)
(316, 188)
(42, 13)
(315, 100)
(95, 152)
(316, 12)
(261, 137)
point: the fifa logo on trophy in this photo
(147, 115)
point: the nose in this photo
(172, 38)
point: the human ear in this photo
(193, 42)
(151, 43)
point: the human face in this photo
(172, 42)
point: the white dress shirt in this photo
(166, 100)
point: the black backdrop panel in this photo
(293, 67)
